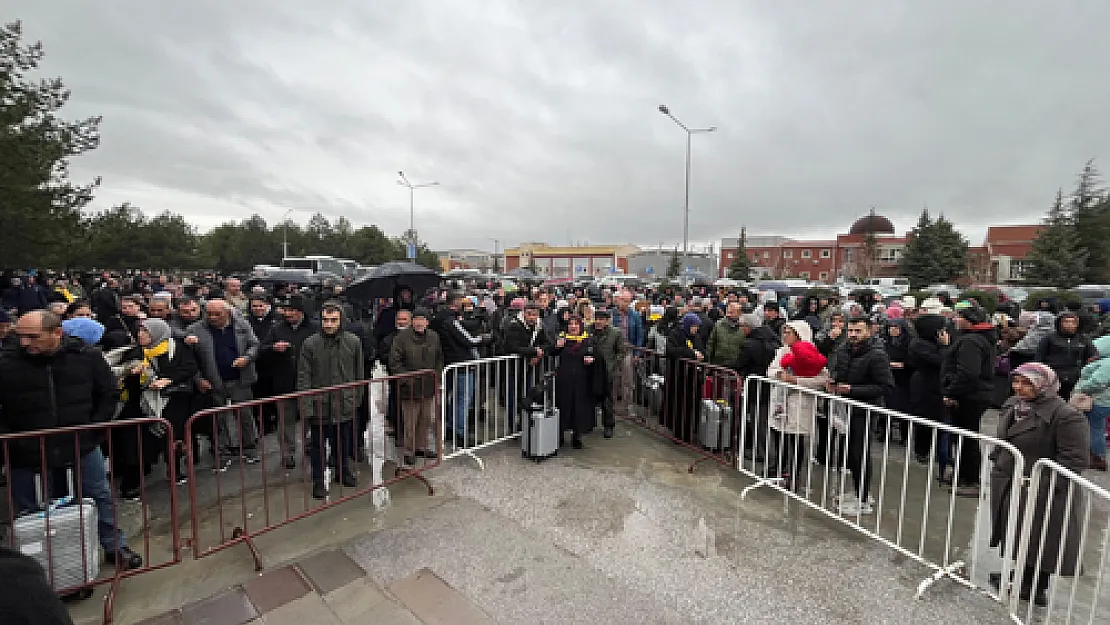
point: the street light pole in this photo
(404, 182)
(285, 235)
(690, 132)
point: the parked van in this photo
(896, 285)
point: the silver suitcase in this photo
(715, 424)
(67, 547)
(539, 436)
(654, 393)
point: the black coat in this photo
(522, 340)
(284, 364)
(682, 383)
(757, 353)
(180, 370)
(1066, 354)
(967, 371)
(926, 399)
(575, 395)
(866, 369)
(458, 344)
(72, 387)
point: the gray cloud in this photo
(539, 119)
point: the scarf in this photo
(577, 338)
(149, 354)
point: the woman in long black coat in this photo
(574, 381)
(169, 391)
(682, 384)
(924, 359)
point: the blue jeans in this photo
(460, 392)
(94, 485)
(1097, 418)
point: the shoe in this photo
(222, 465)
(967, 490)
(251, 457)
(130, 494)
(1098, 463)
(349, 480)
(319, 491)
(291, 462)
(607, 432)
(126, 559)
(576, 443)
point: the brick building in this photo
(1002, 258)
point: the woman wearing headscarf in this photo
(1040, 424)
(682, 384)
(924, 358)
(170, 367)
(896, 341)
(792, 412)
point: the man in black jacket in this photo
(524, 337)
(54, 382)
(861, 372)
(967, 380)
(1067, 351)
(756, 354)
(281, 348)
(458, 346)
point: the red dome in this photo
(872, 224)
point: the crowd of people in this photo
(159, 346)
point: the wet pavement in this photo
(617, 532)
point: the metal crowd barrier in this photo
(480, 401)
(64, 507)
(689, 402)
(1065, 536)
(911, 511)
(248, 482)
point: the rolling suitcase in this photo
(67, 547)
(539, 436)
(654, 393)
(715, 424)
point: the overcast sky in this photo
(539, 118)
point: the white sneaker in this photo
(854, 508)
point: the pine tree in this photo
(674, 267)
(740, 268)
(1057, 258)
(919, 263)
(1088, 213)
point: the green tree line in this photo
(1072, 247)
(43, 218)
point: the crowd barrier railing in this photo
(323, 441)
(1063, 547)
(921, 492)
(690, 402)
(481, 401)
(66, 510)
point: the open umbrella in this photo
(386, 278)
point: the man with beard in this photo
(188, 313)
(861, 371)
(726, 338)
(123, 329)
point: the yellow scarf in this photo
(577, 338)
(689, 344)
(150, 354)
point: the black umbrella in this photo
(386, 278)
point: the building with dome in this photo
(845, 257)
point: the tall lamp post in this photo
(690, 132)
(404, 182)
(285, 235)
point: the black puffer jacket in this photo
(968, 369)
(1066, 353)
(757, 352)
(72, 387)
(866, 369)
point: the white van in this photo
(899, 286)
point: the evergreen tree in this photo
(740, 268)
(1087, 211)
(674, 267)
(1057, 258)
(936, 252)
(40, 208)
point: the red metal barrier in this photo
(670, 392)
(42, 465)
(241, 479)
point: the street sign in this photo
(412, 251)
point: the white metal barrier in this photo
(804, 443)
(1064, 548)
(481, 402)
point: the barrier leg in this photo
(949, 571)
(760, 482)
(239, 534)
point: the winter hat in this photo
(1041, 376)
(802, 329)
(971, 312)
(88, 330)
(159, 330)
(895, 311)
(932, 306)
(689, 320)
(804, 360)
(517, 303)
(421, 312)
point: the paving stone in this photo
(169, 618)
(434, 602)
(308, 610)
(276, 588)
(329, 570)
(354, 599)
(387, 612)
(231, 607)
